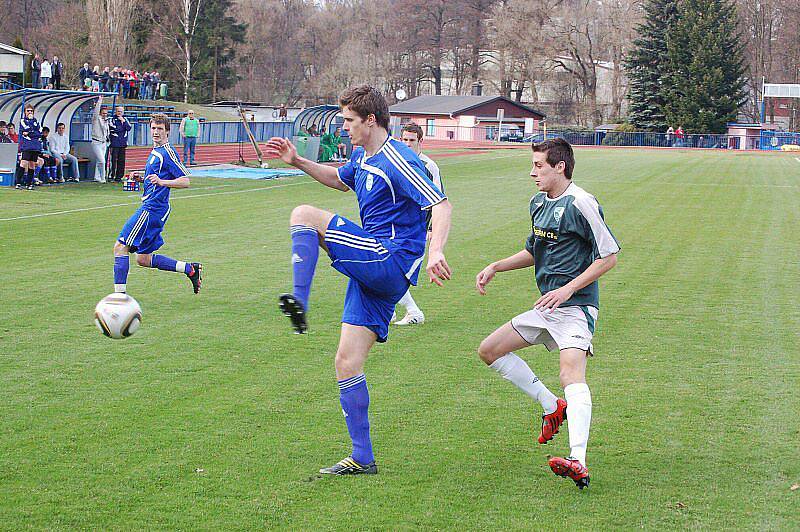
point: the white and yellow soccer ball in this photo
(118, 315)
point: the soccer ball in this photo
(118, 315)
(265, 165)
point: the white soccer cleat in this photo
(416, 318)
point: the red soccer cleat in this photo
(552, 422)
(572, 468)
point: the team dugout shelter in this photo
(51, 107)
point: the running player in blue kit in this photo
(142, 232)
(382, 258)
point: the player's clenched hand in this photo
(283, 148)
(153, 178)
(552, 299)
(483, 278)
(437, 269)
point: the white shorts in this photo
(563, 328)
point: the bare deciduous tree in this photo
(110, 25)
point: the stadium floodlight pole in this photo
(251, 137)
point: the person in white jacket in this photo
(47, 73)
(100, 140)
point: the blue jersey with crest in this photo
(163, 162)
(394, 192)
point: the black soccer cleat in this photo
(348, 466)
(196, 277)
(293, 309)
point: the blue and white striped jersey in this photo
(163, 162)
(393, 192)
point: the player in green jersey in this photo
(570, 247)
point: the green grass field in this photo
(214, 416)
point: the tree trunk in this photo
(214, 80)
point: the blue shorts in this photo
(142, 231)
(377, 281)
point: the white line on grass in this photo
(28, 216)
(797, 159)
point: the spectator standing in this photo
(31, 145)
(679, 135)
(84, 74)
(115, 80)
(670, 135)
(12, 133)
(36, 73)
(105, 80)
(46, 72)
(58, 69)
(282, 113)
(100, 140)
(190, 127)
(95, 75)
(59, 147)
(144, 86)
(156, 80)
(118, 131)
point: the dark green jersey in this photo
(568, 234)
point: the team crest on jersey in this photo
(557, 212)
(370, 182)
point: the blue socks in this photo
(305, 251)
(354, 397)
(162, 262)
(121, 266)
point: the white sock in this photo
(579, 417)
(408, 302)
(180, 266)
(514, 369)
(120, 288)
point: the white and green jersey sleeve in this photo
(568, 234)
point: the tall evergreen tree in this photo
(216, 39)
(705, 84)
(646, 66)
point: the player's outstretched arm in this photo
(554, 298)
(438, 269)
(523, 259)
(283, 148)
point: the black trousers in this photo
(57, 83)
(117, 163)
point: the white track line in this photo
(42, 215)
(797, 159)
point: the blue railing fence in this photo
(231, 132)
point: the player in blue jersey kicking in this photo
(142, 232)
(570, 247)
(381, 257)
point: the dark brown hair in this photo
(413, 127)
(364, 101)
(160, 118)
(557, 150)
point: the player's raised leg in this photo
(579, 410)
(354, 345)
(307, 228)
(192, 270)
(497, 350)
